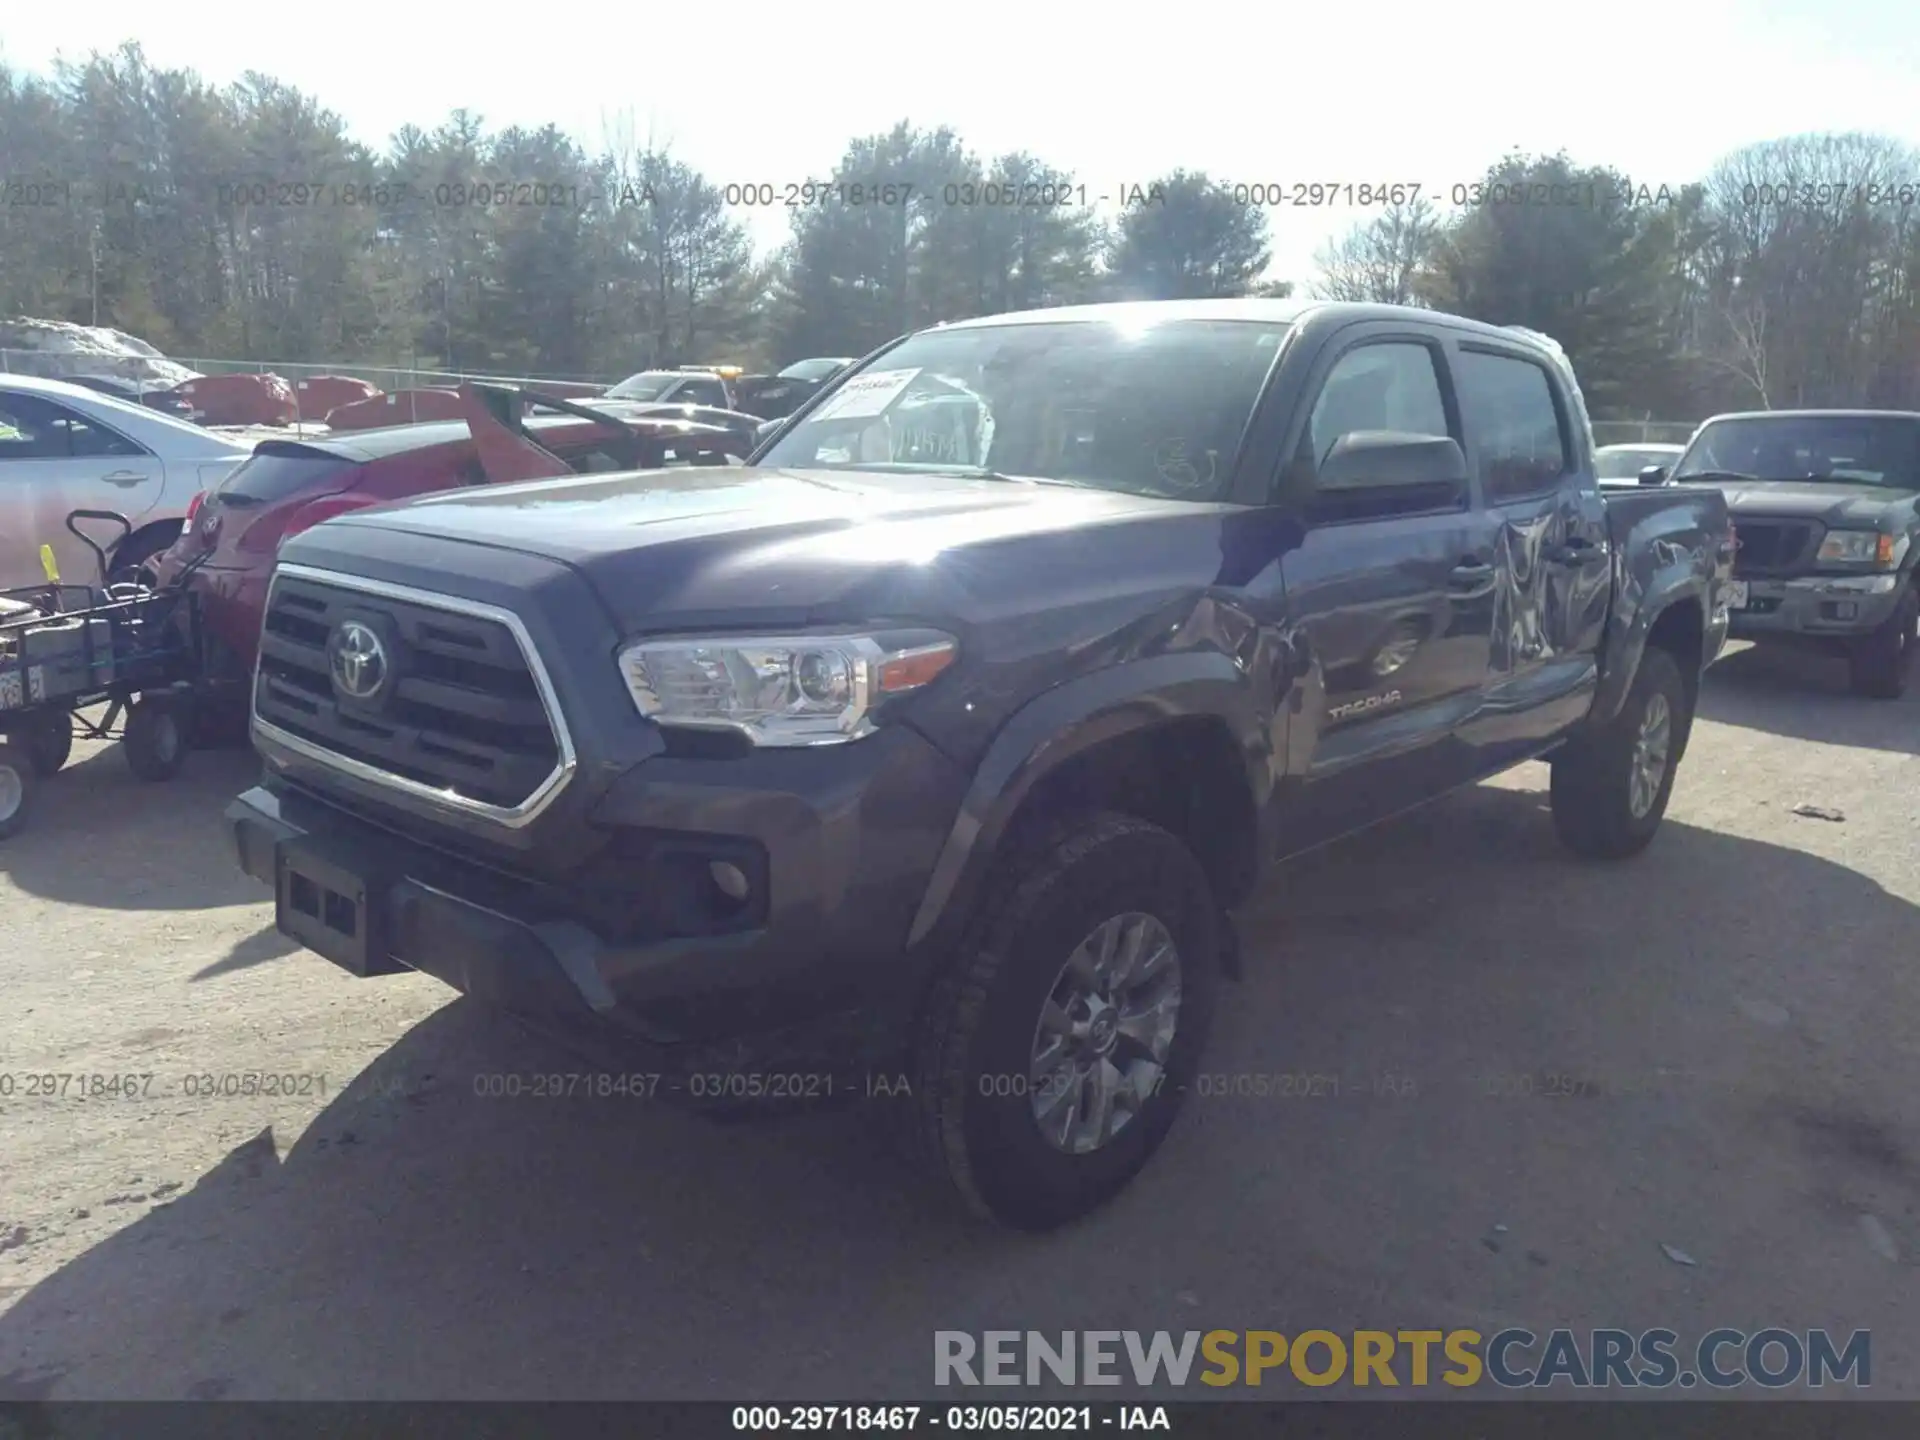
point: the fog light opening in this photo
(732, 883)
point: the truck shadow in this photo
(422, 1238)
(101, 837)
(1803, 696)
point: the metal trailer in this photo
(66, 649)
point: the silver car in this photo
(65, 448)
(1618, 465)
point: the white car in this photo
(1616, 465)
(65, 448)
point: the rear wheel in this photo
(131, 563)
(1880, 663)
(155, 742)
(1052, 1057)
(1610, 788)
(18, 776)
(49, 742)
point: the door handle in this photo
(125, 478)
(1574, 550)
(1472, 576)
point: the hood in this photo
(754, 546)
(1832, 503)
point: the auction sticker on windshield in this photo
(865, 395)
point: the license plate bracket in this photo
(332, 909)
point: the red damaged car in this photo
(226, 551)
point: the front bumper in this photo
(1840, 607)
(618, 956)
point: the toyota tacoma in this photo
(953, 770)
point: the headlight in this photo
(782, 690)
(1861, 547)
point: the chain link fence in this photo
(1643, 432)
(383, 377)
(396, 378)
(53, 364)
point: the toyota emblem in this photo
(358, 661)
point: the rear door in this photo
(1552, 554)
(1396, 605)
(55, 459)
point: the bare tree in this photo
(1380, 259)
(1812, 233)
(1743, 353)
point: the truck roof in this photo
(1272, 312)
(1815, 415)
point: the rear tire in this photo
(1029, 1018)
(18, 777)
(155, 742)
(49, 743)
(132, 562)
(1610, 788)
(1880, 663)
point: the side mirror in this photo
(1369, 470)
(1654, 475)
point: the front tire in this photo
(1610, 788)
(1054, 1052)
(18, 777)
(1880, 663)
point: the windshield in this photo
(1154, 409)
(1625, 462)
(1854, 449)
(647, 385)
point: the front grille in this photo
(1773, 547)
(461, 710)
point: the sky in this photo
(1370, 91)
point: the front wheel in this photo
(1053, 1054)
(18, 776)
(1879, 665)
(155, 742)
(1610, 788)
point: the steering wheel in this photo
(1182, 470)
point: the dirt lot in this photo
(1736, 1008)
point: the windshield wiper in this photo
(961, 472)
(1715, 475)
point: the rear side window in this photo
(268, 478)
(703, 392)
(1508, 408)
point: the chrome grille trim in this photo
(511, 817)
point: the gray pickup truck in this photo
(1826, 507)
(940, 742)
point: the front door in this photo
(1396, 609)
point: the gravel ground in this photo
(1734, 1010)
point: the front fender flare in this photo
(1067, 720)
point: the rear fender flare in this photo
(1064, 722)
(1666, 580)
